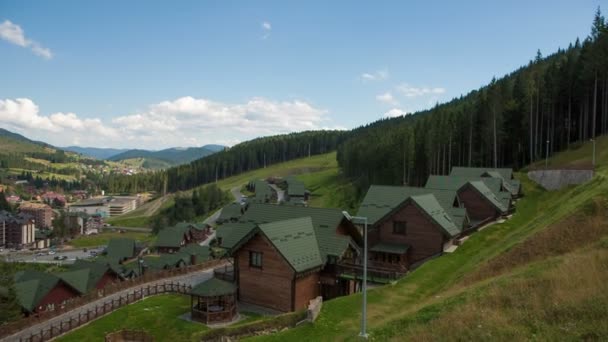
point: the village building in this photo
(18, 230)
(86, 277)
(171, 239)
(285, 256)
(296, 191)
(54, 199)
(42, 213)
(121, 249)
(39, 291)
(263, 192)
(408, 225)
(505, 174)
(482, 197)
(231, 213)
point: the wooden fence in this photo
(59, 328)
(34, 319)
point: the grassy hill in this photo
(168, 157)
(541, 275)
(318, 173)
(16, 143)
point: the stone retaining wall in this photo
(557, 179)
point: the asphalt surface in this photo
(236, 193)
(45, 257)
(189, 279)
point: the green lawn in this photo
(329, 190)
(579, 155)
(390, 304)
(103, 238)
(158, 315)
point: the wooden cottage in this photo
(483, 198)
(296, 191)
(505, 174)
(285, 256)
(121, 249)
(408, 225)
(85, 277)
(40, 291)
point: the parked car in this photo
(93, 253)
(39, 254)
(51, 252)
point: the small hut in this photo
(213, 301)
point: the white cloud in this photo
(387, 98)
(14, 34)
(185, 121)
(395, 112)
(379, 75)
(411, 91)
(266, 28)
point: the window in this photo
(255, 259)
(399, 227)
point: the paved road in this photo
(236, 193)
(280, 193)
(44, 257)
(188, 279)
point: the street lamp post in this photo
(547, 156)
(363, 332)
(593, 158)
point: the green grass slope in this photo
(319, 173)
(481, 292)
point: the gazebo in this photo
(213, 301)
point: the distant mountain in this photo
(171, 156)
(16, 143)
(96, 152)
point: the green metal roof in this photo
(189, 225)
(392, 248)
(231, 234)
(230, 212)
(295, 239)
(213, 287)
(325, 222)
(263, 192)
(487, 187)
(171, 236)
(506, 173)
(295, 187)
(381, 200)
(32, 286)
(167, 261)
(121, 248)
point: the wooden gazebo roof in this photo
(213, 287)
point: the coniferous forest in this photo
(546, 106)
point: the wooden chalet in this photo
(408, 225)
(85, 277)
(121, 249)
(40, 291)
(171, 239)
(505, 174)
(231, 213)
(484, 198)
(296, 191)
(285, 256)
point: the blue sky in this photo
(152, 74)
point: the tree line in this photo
(203, 201)
(250, 155)
(544, 107)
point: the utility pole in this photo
(547, 156)
(593, 158)
(363, 332)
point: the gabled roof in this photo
(85, 276)
(171, 236)
(382, 200)
(167, 261)
(295, 239)
(458, 171)
(213, 287)
(121, 248)
(32, 286)
(489, 188)
(325, 222)
(231, 234)
(263, 191)
(295, 187)
(230, 212)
